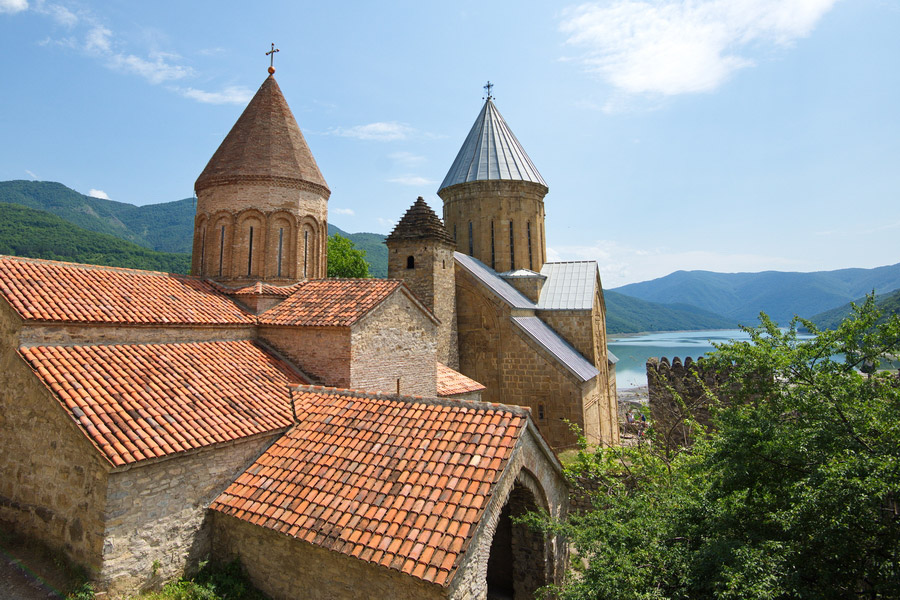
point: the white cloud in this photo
(406, 159)
(343, 211)
(13, 6)
(671, 47)
(381, 131)
(32, 175)
(98, 194)
(620, 264)
(386, 223)
(59, 13)
(411, 180)
(228, 95)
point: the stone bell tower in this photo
(420, 253)
(262, 203)
(494, 197)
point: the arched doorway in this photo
(519, 561)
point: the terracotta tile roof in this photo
(394, 481)
(137, 402)
(450, 382)
(330, 302)
(44, 290)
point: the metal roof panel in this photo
(553, 343)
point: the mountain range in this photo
(49, 220)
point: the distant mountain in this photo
(625, 314)
(781, 295)
(889, 304)
(166, 227)
(37, 234)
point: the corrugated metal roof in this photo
(551, 341)
(569, 285)
(491, 151)
(488, 277)
(612, 358)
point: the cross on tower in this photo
(487, 88)
(271, 55)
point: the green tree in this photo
(795, 492)
(344, 259)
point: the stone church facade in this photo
(531, 331)
(343, 438)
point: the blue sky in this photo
(726, 135)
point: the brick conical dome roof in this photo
(420, 222)
(264, 145)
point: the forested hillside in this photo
(38, 234)
(625, 314)
(888, 304)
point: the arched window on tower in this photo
(530, 262)
(410, 262)
(471, 243)
(250, 254)
(493, 257)
(512, 248)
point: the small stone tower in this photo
(420, 252)
(262, 204)
(494, 198)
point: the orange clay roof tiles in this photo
(137, 402)
(43, 290)
(330, 302)
(259, 289)
(450, 382)
(394, 481)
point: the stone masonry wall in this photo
(432, 280)
(290, 569)
(395, 341)
(686, 379)
(321, 352)
(500, 203)
(273, 207)
(157, 522)
(529, 468)
(52, 480)
(39, 334)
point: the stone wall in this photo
(157, 522)
(290, 569)
(689, 381)
(301, 212)
(321, 352)
(492, 207)
(432, 280)
(52, 480)
(395, 342)
(41, 334)
(534, 468)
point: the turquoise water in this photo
(634, 350)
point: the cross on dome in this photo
(271, 55)
(487, 88)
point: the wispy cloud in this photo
(13, 6)
(411, 180)
(158, 67)
(670, 47)
(98, 194)
(32, 175)
(343, 211)
(620, 264)
(228, 95)
(406, 159)
(380, 131)
(386, 223)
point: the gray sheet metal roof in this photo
(569, 285)
(488, 277)
(551, 341)
(491, 151)
(612, 358)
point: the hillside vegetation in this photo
(38, 234)
(781, 295)
(625, 314)
(888, 304)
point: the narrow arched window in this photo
(410, 262)
(221, 248)
(280, 248)
(471, 242)
(530, 262)
(250, 255)
(493, 258)
(512, 248)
